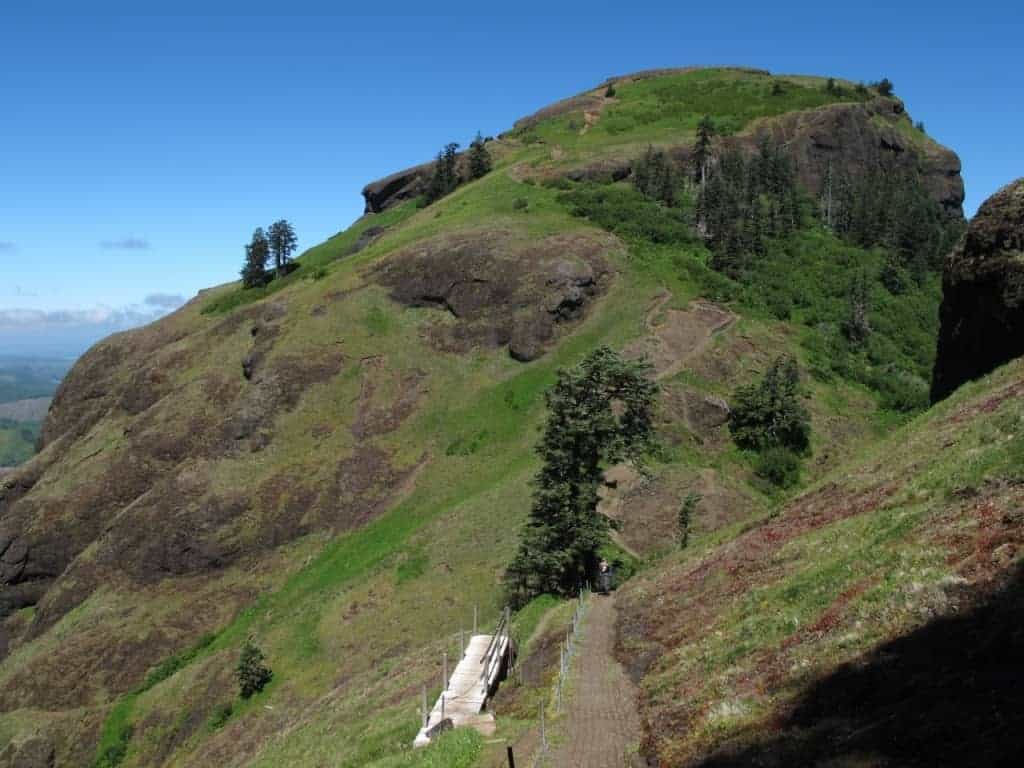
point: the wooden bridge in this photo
(485, 658)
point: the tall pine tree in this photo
(479, 158)
(599, 413)
(283, 243)
(445, 176)
(257, 253)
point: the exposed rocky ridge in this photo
(982, 313)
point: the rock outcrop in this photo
(982, 312)
(854, 138)
(499, 291)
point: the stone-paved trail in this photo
(602, 727)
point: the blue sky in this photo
(138, 152)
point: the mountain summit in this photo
(321, 480)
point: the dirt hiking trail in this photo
(602, 726)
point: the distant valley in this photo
(27, 386)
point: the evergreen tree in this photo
(685, 517)
(702, 149)
(884, 87)
(770, 413)
(479, 158)
(252, 674)
(257, 253)
(857, 327)
(282, 240)
(830, 86)
(599, 413)
(445, 176)
(654, 176)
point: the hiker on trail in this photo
(606, 576)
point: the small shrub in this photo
(779, 466)
(115, 753)
(685, 519)
(777, 89)
(221, 714)
(252, 674)
(609, 92)
(521, 204)
(318, 274)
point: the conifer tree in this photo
(283, 242)
(257, 252)
(769, 413)
(857, 327)
(654, 177)
(702, 149)
(445, 176)
(599, 413)
(479, 158)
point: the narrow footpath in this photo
(602, 726)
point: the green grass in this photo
(313, 263)
(669, 108)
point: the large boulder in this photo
(982, 312)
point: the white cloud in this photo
(164, 300)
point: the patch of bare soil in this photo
(677, 336)
(647, 509)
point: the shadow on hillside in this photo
(949, 694)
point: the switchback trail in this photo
(602, 726)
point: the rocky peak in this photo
(982, 312)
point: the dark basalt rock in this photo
(498, 290)
(982, 313)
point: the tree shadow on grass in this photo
(948, 694)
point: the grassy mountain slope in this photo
(868, 622)
(337, 465)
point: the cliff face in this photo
(982, 310)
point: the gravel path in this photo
(602, 727)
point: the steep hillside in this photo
(337, 464)
(873, 620)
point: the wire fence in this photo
(566, 653)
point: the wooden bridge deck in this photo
(473, 680)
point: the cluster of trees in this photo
(769, 417)
(275, 245)
(742, 203)
(445, 177)
(655, 177)
(599, 413)
(884, 87)
(892, 210)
